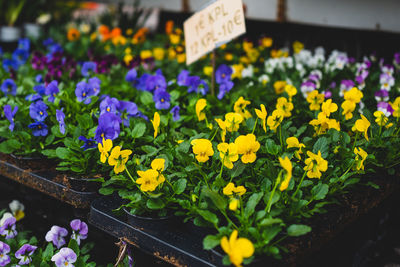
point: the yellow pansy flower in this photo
(207, 70)
(200, 105)
(158, 164)
(315, 99)
(362, 125)
(348, 108)
(104, 148)
(237, 248)
(156, 123)
(158, 53)
(329, 107)
(294, 142)
(262, 114)
(228, 56)
(315, 164)
(222, 125)
(240, 107)
(202, 148)
(266, 42)
(361, 155)
(381, 119)
(297, 47)
(118, 158)
(128, 58)
(396, 107)
(174, 38)
(144, 54)
(228, 154)
(234, 203)
(323, 123)
(275, 119)
(279, 87)
(230, 189)
(285, 106)
(237, 71)
(253, 54)
(287, 166)
(247, 147)
(148, 180)
(290, 90)
(233, 121)
(354, 95)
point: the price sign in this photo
(218, 23)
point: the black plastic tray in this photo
(179, 244)
(41, 181)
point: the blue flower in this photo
(223, 74)
(9, 63)
(94, 85)
(175, 113)
(162, 98)
(109, 127)
(40, 89)
(24, 44)
(60, 116)
(88, 67)
(33, 97)
(141, 83)
(38, 128)
(224, 88)
(156, 81)
(182, 78)
(127, 110)
(88, 143)
(52, 90)
(109, 105)
(131, 77)
(10, 114)
(83, 92)
(7, 229)
(39, 78)
(37, 111)
(197, 85)
(48, 42)
(9, 87)
(20, 56)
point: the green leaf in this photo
(48, 252)
(155, 203)
(252, 203)
(74, 246)
(43, 264)
(49, 139)
(149, 150)
(319, 191)
(210, 242)
(271, 147)
(269, 221)
(180, 186)
(106, 191)
(237, 169)
(216, 198)
(208, 216)
(14, 143)
(146, 98)
(87, 248)
(322, 145)
(63, 153)
(351, 181)
(138, 130)
(84, 121)
(298, 229)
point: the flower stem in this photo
(280, 135)
(355, 140)
(255, 124)
(301, 181)
(129, 174)
(269, 204)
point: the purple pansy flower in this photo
(79, 230)
(197, 85)
(10, 114)
(223, 74)
(382, 95)
(142, 81)
(38, 128)
(109, 105)
(175, 113)
(88, 143)
(39, 78)
(38, 61)
(131, 77)
(24, 254)
(56, 236)
(33, 97)
(88, 67)
(52, 90)
(8, 228)
(4, 250)
(162, 99)
(40, 89)
(224, 88)
(9, 87)
(37, 110)
(182, 78)
(83, 92)
(94, 85)
(64, 258)
(127, 110)
(155, 82)
(386, 108)
(109, 127)
(60, 116)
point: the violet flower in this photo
(33, 97)
(83, 92)
(4, 250)
(88, 143)
(142, 81)
(162, 99)
(223, 74)
(39, 128)
(64, 258)
(386, 108)
(10, 114)
(127, 110)
(109, 105)
(88, 67)
(382, 95)
(52, 90)
(131, 77)
(197, 85)
(38, 61)
(109, 127)
(60, 116)
(56, 236)
(182, 78)
(224, 88)
(94, 85)
(79, 230)
(156, 81)
(175, 113)
(37, 110)
(9, 87)
(40, 89)
(7, 229)
(39, 78)
(24, 254)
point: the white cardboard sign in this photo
(218, 23)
